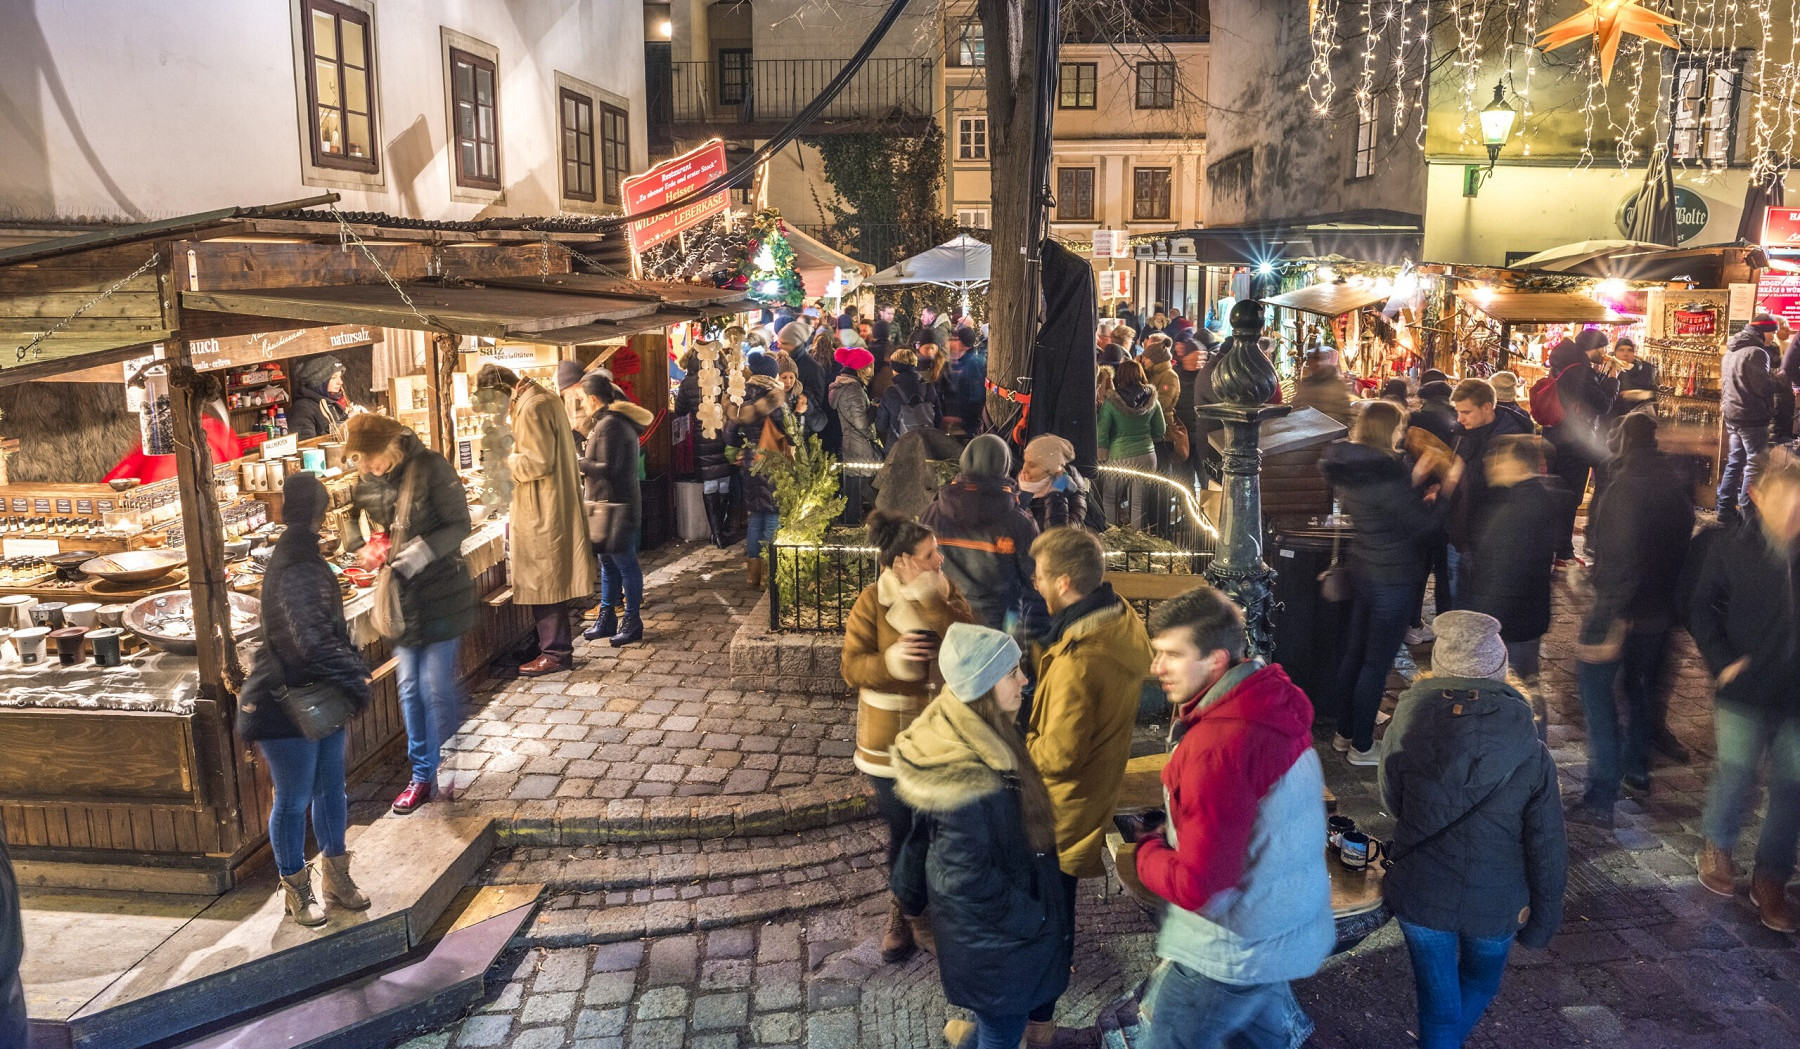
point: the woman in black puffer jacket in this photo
(306, 641)
(437, 594)
(609, 472)
(1387, 562)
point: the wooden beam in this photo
(489, 312)
(254, 265)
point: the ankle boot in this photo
(297, 895)
(897, 940)
(1040, 1035)
(960, 1034)
(335, 884)
(1769, 893)
(922, 936)
(1717, 872)
(606, 624)
(631, 628)
(753, 572)
(718, 506)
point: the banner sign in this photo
(673, 180)
(1781, 229)
(1779, 294)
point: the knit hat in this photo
(784, 364)
(303, 500)
(1468, 645)
(1435, 391)
(854, 358)
(1589, 339)
(1156, 353)
(974, 659)
(367, 433)
(793, 335)
(1765, 322)
(568, 373)
(968, 336)
(928, 336)
(1506, 386)
(763, 364)
(1048, 453)
(988, 456)
(1432, 375)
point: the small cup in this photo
(69, 641)
(84, 614)
(49, 614)
(105, 642)
(31, 642)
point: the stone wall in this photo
(804, 663)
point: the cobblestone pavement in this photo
(770, 942)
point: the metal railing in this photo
(765, 90)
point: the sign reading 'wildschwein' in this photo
(673, 180)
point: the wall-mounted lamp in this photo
(1496, 127)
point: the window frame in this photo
(968, 136)
(986, 215)
(565, 94)
(607, 184)
(1138, 213)
(1156, 70)
(970, 49)
(1362, 154)
(1062, 195)
(341, 13)
(1707, 65)
(747, 69)
(1092, 70)
(476, 63)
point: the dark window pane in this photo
(340, 84)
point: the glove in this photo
(413, 557)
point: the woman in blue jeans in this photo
(306, 641)
(437, 594)
(1479, 857)
(1387, 560)
(757, 430)
(609, 471)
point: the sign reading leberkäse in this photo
(672, 180)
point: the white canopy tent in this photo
(961, 264)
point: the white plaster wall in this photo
(811, 29)
(121, 110)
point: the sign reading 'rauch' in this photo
(673, 180)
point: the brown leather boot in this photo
(297, 898)
(922, 934)
(897, 941)
(753, 572)
(1769, 893)
(1040, 1035)
(1717, 872)
(336, 885)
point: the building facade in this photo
(428, 109)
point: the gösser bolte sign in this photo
(673, 180)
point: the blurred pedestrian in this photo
(1579, 445)
(610, 472)
(982, 851)
(890, 656)
(985, 535)
(1515, 549)
(1478, 423)
(964, 392)
(1747, 402)
(1129, 425)
(759, 428)
(1479, 858)
(1321, 387)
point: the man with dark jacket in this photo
(1241, 858)
(1744, 622)
(1579, 448)
(1637, 377)
(1515, 549)
(1747, 392)
(964, 388)
(1479, 856)
(1478, 423)
(1639, 532)
(985, 535)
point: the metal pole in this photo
(1244, 379)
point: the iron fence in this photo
(737, 90)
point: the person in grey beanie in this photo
(1479, 857)
(985, 534)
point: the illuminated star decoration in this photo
(1607, 23)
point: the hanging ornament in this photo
(1609, 22)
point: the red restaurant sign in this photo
(1780, 295)
(1781, 229)
(673, 180)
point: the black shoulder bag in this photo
(317, 708)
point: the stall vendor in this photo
(320, 405)
(215, 420)
(1637, 377)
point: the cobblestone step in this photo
(591, 821)
(566, 922)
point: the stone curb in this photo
(575, 927)
(801, 662)
(587, 821)
(783, 854)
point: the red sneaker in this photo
(415, 794)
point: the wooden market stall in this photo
(1339, 306)
(1529, 325)
(130, 776)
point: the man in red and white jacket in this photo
(1241, 859)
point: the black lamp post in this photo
(1244, 379)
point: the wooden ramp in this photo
(121, 971)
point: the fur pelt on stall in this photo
(70, 432)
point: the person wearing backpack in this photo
(909, 403)
(1479, 857)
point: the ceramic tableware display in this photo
(31, 642)
(105, 643)
(84, 614)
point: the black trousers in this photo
(555, 638)
(895, 812)
(1043, 1014)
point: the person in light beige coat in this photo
(549, 559)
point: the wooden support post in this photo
(440, 365)
(1505, 346)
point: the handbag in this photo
(606, 526)
(1334, 582)
(1388, 861)
(386, 615)
(317, 709)
(1178, 441)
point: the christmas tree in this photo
(770, 266)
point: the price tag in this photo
(84, 507)
(20, 506)
(105, 506)
(30, 547)
(40, 507)
(65, 507)
(280, 447)
(465, 455)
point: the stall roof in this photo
(1328, 300)
(817, 262)
(959, 263)
(1542, 307)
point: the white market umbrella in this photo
(961, 264)
(1566, 257)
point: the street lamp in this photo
(1496, 127)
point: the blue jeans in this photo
(1379, 615)
(998, 1032)
(1462, 570)
(1743, 734)
(430, 702)
(1743, 445)
(306, 774)
(1455, 977)
(1185, 1010)
(1612, 755)
(759, 528)
(622, 570)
